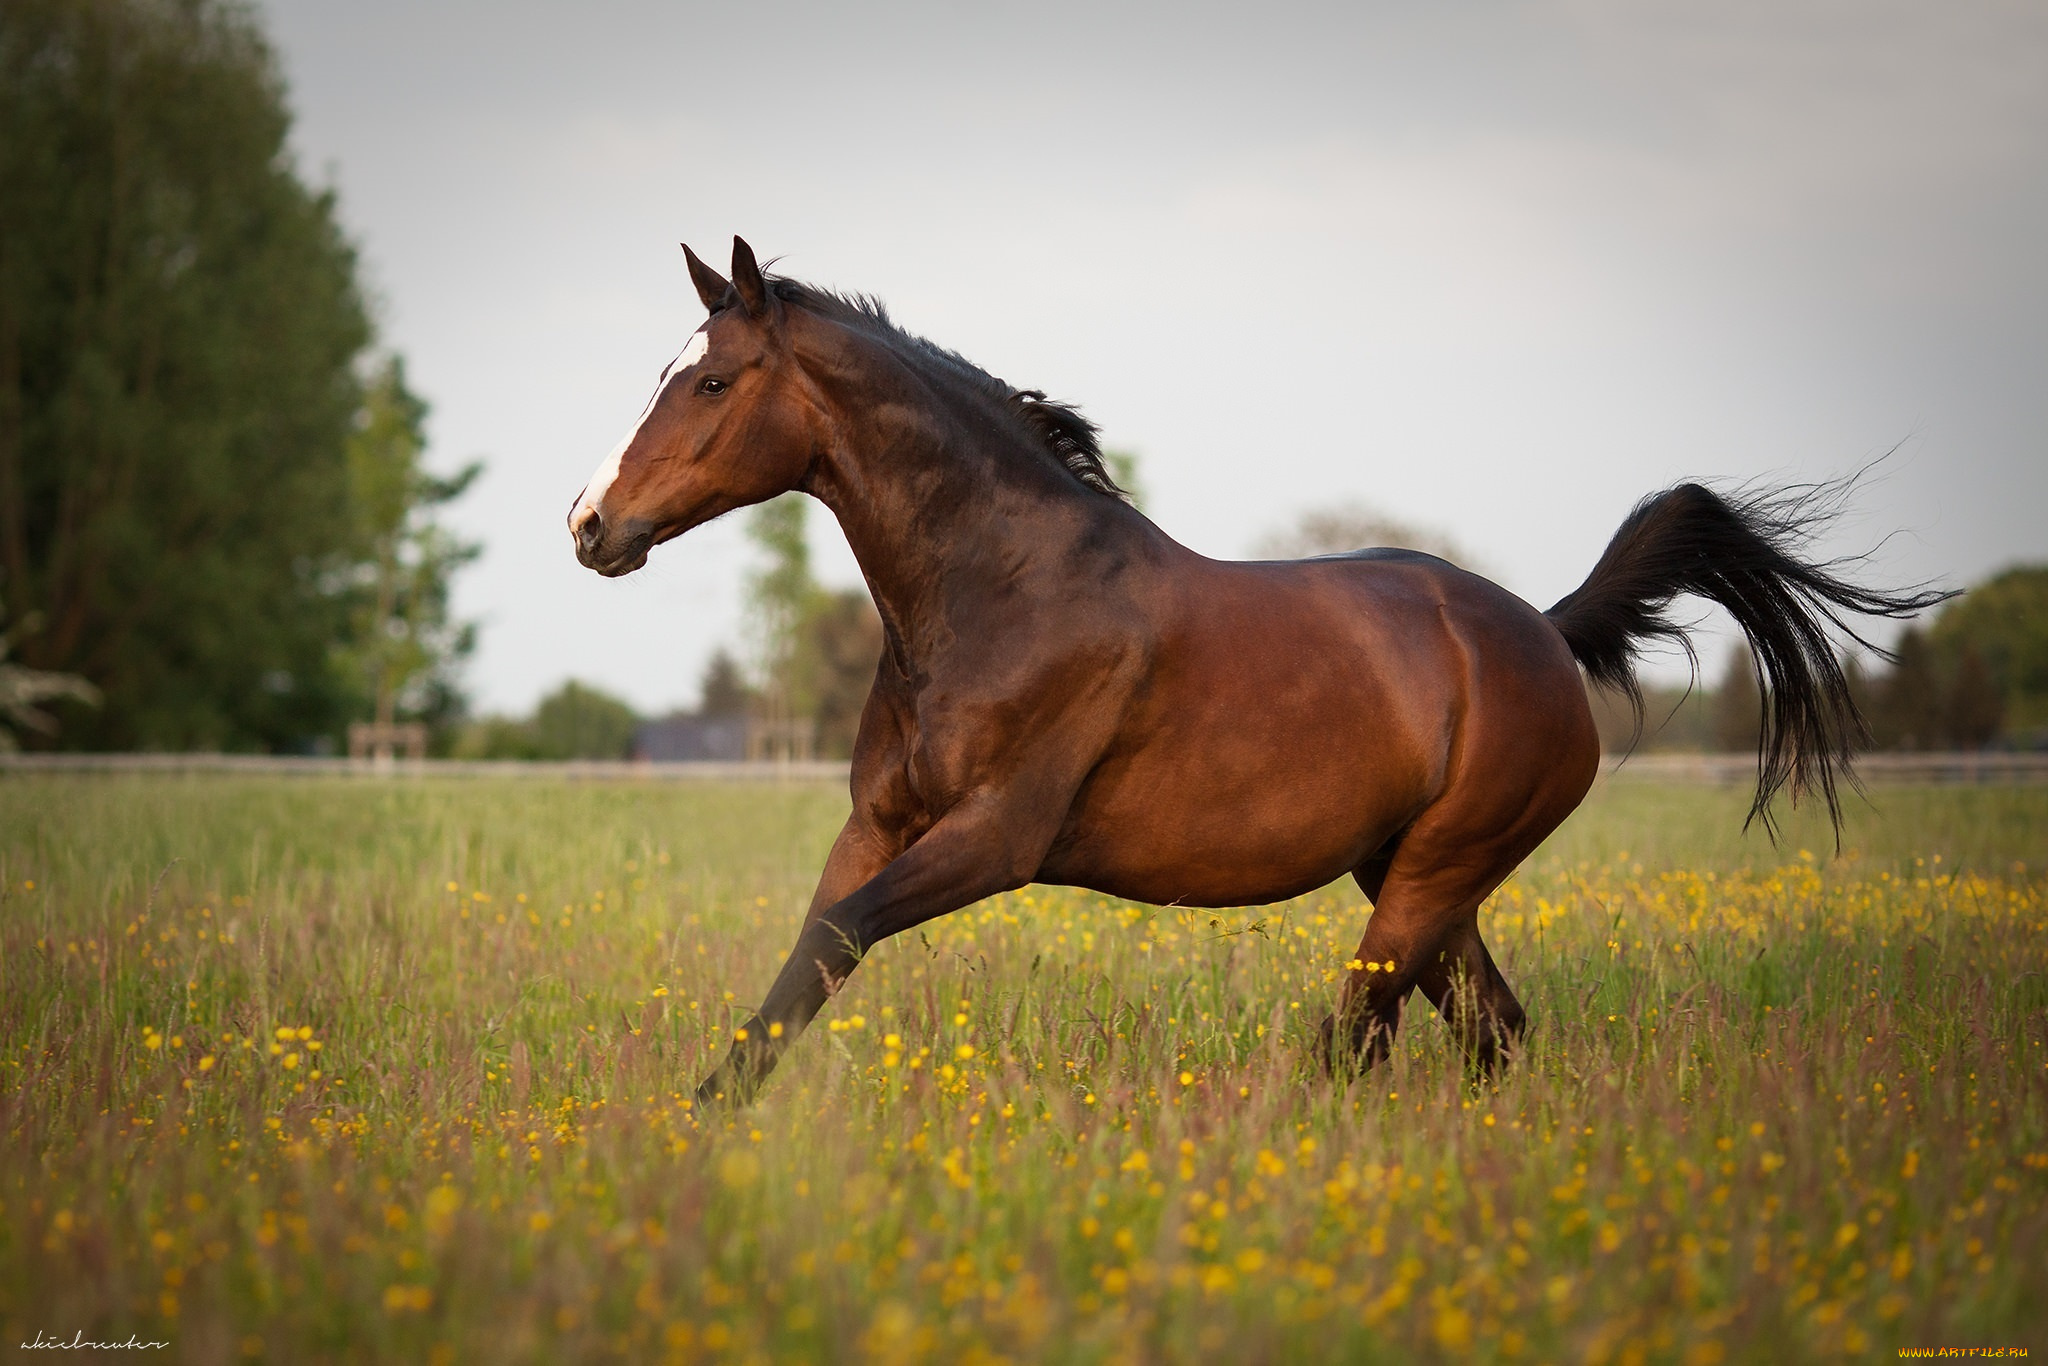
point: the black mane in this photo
(1059, 427)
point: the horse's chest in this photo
(902, 782)
(936, 754)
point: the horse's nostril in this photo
(588, 529)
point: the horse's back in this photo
(1409, 608)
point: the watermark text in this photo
(79, 1342)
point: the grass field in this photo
(311, 1070)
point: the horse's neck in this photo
(940, 508)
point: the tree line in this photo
(216, 523)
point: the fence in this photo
(1701, 769)
(601, 770)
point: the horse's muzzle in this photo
(610, 549)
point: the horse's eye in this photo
(709, 385)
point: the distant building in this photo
(684, 737)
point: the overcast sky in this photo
(1496, 268)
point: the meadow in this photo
(313, 1070)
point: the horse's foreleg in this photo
(857, 855)
(970, 854)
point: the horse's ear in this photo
(711, 286)
(746, 278)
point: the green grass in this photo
(1777, 1103)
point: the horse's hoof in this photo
(716, 1093)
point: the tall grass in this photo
(356, 1071)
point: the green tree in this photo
(781, 594)
(1976, 712)
(179, 331)
(1863, 690)
(1738, 705)
(2005, 621)
(1910, 698)
(724, 690)
(818, 648)
(497, 737)
(840, 644)
(577, 721)
(404, 644)
(1123, 467)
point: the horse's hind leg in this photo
(1417, 933)
(1424, 932)
(1465, 986)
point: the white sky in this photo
(1496, 268)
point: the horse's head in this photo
(728, 425)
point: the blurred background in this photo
(314, 318)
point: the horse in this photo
(1067, 695)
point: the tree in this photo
(404, 645)
(2005, 622)
(179, 331)
(840, 644)
(1909, 709)
(579, 722)
(1975, 712)
(724, 691)
(1123, 468)
(1864, 688)
(575, 721)
(1739, 705)
(498, 737)
(817, 648)
(781, 593)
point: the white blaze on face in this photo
(601, 482)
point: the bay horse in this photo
(1067, 695)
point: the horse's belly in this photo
(1244, 815)
(1248, 874)
(1297, 718)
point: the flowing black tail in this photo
(1739, 551)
